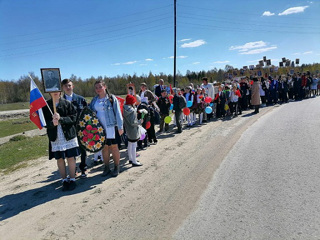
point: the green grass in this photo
(14, 106)
(14, 154)
(13, 126)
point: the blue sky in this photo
(115, 37)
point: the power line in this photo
(87, 36)
(89, 43)
(86, 24)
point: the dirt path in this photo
(4, 115)
(141, 203)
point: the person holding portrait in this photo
(63, 143)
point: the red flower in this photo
(85, 132)
(96, 137)
(90, 135)
(89, 127)
(85, 139)
(91, 143)
(95, 130)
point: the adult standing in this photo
(79, 102)
(109, 114)
(159, 88)
(255, 95)
(62, 134)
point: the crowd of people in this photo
(133, 122)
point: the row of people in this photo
(141, 110)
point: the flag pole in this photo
(41, 94)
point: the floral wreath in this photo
(90, 132)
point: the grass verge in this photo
(14, 154)
(13, 126)
(14, 106)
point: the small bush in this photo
(18, 138)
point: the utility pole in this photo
(175, 43)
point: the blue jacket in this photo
(112, 112)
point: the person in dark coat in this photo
(62, 134)
(164, 105)
(80, 103)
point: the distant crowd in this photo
(136, 121)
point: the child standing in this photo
(131, 124)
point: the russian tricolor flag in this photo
(37, 102)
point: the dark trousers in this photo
(177, 115)
(234, 108)
(83, 165)
(151, 132)
(162, 117)
(220, 110)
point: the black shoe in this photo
(106, 171)
(137, 164)
(72, 185)
(155, 141)
(130, 162)
(83, 174)
(116, 171)
(65, 186)
(179, 131)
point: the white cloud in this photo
(249, 45)
(184, 40)
(259, 50)
(297, 53)
(116, 64)
(253, 47)
(193, 44)
(267, 14)
(179, 57)
(143, 64)
(129, 63)
(308, 52)
(195, 63)
(221, 62)
(293, 10)
(148, 59)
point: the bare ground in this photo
(148, 202)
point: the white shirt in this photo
(69, 98)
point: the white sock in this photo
(200, 117)
(132, 146)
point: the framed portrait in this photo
(269, 62)
(51, 79)
(297, 61)
(280, 64)
(259, 73)
(264, 59)
(291, 71)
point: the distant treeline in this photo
(19, 90)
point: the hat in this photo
(143, 84)
(130, 100)
(163, 90)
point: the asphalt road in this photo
(268, 186)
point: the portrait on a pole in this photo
(51, 79)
